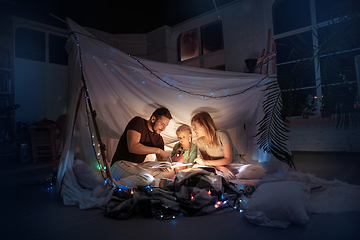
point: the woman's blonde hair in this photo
(205, 120)
(185, 128)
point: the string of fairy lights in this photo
(97, 152)
(88, 105)
(201, 95)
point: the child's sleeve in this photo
(193, 154)
(173, 152)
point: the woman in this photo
(217, 150)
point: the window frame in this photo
(313, 27)
(200, 61)
(36, 26)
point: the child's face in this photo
(184, 137)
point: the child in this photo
(184, 150)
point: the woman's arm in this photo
(222, 161)
(226, 160)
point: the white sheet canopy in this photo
(121, 87)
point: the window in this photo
(305, 27)
(290, 15)
(202, 41)
(57, 52)
(189, 45)
(31, 44)
(212, 38)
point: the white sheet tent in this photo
(121, 87)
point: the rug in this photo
(333, 196)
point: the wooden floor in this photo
(30, 211)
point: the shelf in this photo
(42, 141)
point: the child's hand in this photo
(178, 151)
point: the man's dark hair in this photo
(162, 111)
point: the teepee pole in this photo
(110, 179)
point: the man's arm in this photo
(134, 146)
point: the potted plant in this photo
(310, 108)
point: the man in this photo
(140, 138)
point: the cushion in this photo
(277, 204)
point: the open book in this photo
(163, 164)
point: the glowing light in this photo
(217, 204)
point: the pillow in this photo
(277, 204)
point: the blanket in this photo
(331, 197)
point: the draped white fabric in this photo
(121, 87)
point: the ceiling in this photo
(113, 16)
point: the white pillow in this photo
(277, 204)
